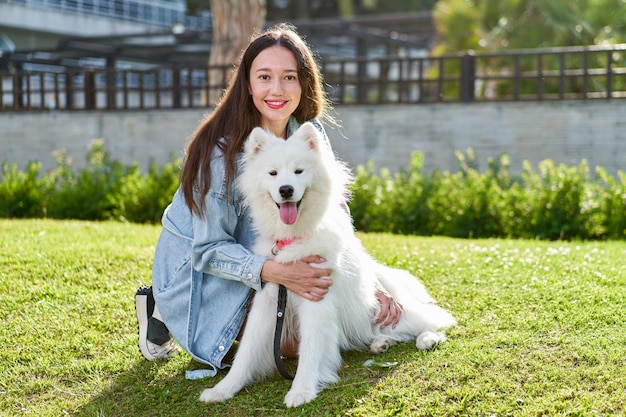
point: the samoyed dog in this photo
(296, 191)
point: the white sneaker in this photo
(155, 341)
(152, 351)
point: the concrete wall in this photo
(130, 136)
(565, 132)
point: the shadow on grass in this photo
(160, 389)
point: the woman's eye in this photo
(273, 173)
(299, 171)
(290, 78)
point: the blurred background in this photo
(544, 77)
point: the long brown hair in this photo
(235, 115)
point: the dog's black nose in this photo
(286, 191)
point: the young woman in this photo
(204, 275)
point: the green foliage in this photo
(553, 199)
(21, 192)
(608, 205)
(144, 197)
(551, 202)
(103, 189)
(387, 203)
(490, 25)
(460, 205)
(368, 204)
(89, 193)
(413, 187)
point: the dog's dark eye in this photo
(273, 173)
(298, 171)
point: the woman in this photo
(204, 275)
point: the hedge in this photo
(547, 202)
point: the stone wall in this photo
(565, 132)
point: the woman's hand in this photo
(300, 277)
(390, 310)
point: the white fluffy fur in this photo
(343, 319)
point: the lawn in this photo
(542, 331)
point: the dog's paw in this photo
(214, 395)
(295, 398)
(380, 344)
(429, 340)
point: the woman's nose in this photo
(277, 87)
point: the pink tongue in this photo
(288, 212)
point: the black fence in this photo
(583, 73)
(106, 89)
(528, 75)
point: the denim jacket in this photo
(203, 270)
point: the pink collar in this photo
(281, 244)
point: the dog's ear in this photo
(255, 141)
(309, 133)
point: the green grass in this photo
(542, 331)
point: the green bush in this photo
(552, 202)
(548, 202)
(22, 193)
(369, 204)
(461, 203)
(409, 211)
(144, 197)
(608, 204)
(104, 189)
(89, 194)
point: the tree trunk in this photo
(234, 21)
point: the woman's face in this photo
(275, 87)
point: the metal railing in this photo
(102, 89)
(588, 73)
(575, 73)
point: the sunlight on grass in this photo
(541, 331)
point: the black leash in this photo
(280, 316)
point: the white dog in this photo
(296, 191)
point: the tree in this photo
(495, 25)
(234, 22)
(500, 25)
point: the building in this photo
(40, 24)
(103, 33)
(38, 35)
